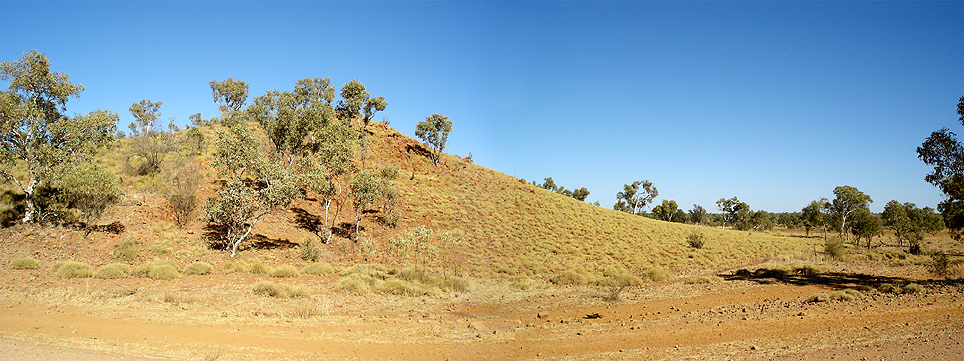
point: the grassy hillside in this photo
(478, 221)
(511, 227)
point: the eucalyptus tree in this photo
(697, 215)
(732, 211)
(814, 215)
(229, 95)
(255, 186)
(289, 119)
(634, 197)
(37, 141)
(848, 201)
(434, 130)
(667, 211)
(866, 225)
(358, 105)
(945, 153)
(147, 139)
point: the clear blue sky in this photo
(776, 103)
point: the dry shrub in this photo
(811, 269)
(525, 283)
(657, 274)
(182, 192)
(127, 251)
(309, 251)
(940, 265)
(161, 249)
(911, 288)
(318, 269)
(705, 280)
(696, 239)
(285, 271)
(24, 263)
(157, 270)
(113, 271)
(573, 276)
(255, 267)
(235, 267)
(410, 281)
(846, 295)
(280, 290)
(615, 281)
(835, 249)
(198, 269)
(72, 269)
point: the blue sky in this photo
(776, 103)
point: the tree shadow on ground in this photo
(261, 242)
(345, 229)
(835, 280)
(419, 150)
(307, 221)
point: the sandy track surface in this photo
(217, 317)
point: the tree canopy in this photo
(945, 153)
(634, 197)
(33, 129)
(434, 130)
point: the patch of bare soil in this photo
(218, 317)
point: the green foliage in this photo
(813, 215)
(865, 226)
(148, 142)
(290, 118)
(835, 249)
(113, 271)
(318, 269)
(72, 269)
(90, 190)
(127, 251)
(668, 211)
(281, 290)
(23, 263)
(909, 222)
(577, 194)
(434, 131)
(285, 271)
(696, 239)
(35, 135)
(357, 105)
(198, 269)
(734, 212)
(241, 203)
(229, 95)
(848, 201)
(945, 153)
(369, 186)
(697, 215)
(634, 197)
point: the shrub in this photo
(573, 276)
(696, 239)
(285, 271)
(318, 268)
(158, 270)
(89, 189)
(72, 269)
(127, 251)
(616, 281)
(235, 266)
(198, 269)
(161, 249)
(309, 251)
(255, 267)
(411, 281)
(846, 295)
(911, 288)
(525, 283)
(940, 265)
(280, 290)
(182, 192)
(113, 271)
(657, 274)
(24, 263)
(835, 249)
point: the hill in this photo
(485, 223)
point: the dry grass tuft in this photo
(409, 281)
(281, 290)
(846, 295)
(113, 271)
(255, 267)
(285, 271)
(23, 263)
(911, 288)
(657, 274)
(525, 283)
(127, 251)
(229, 267)
(198, 269)
(318, 269)
(72, 269)
(157, 269)
(705, 280)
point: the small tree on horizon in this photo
(434, 130)
(634, 197)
